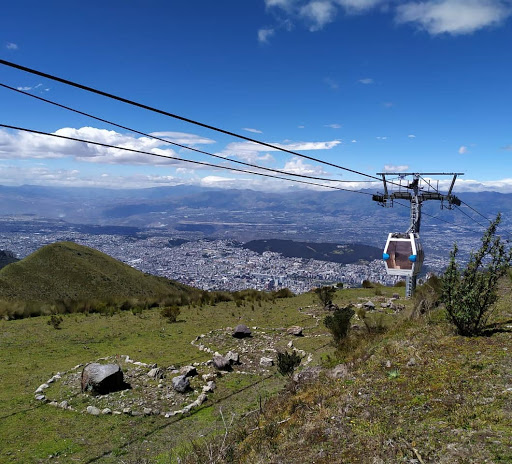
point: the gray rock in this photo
(156, 373)
(102, 378)
(233, 358)
(221, 363)
(209, 387)
(63, 404)
(42, 388)
(266, 362)
(307, 375)
(180, 383)
(411, 362)
(295, 330)
(188, 371)
(241, 331)
(93, 410)
(107, 411)
(40, 398)
(338, 372)
(127, 411)
(209, 376)
(147, 411)
(396, 296)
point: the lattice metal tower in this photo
(416, 194)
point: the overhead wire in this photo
(178, 117)
(217, 166)
(51, 102)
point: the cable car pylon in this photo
(403, 253)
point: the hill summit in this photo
(68, 271)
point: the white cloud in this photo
(265, 34)
(25, 89)
(366, 81)
(463, 150)
(284, 4)
(381, 138)
(358, 6)
(301, 127)
(298, 166)
(11, 46)
(331, 83)
(25, 145)
(453, 16)
(396, 168)
(354, 141)
(318, 13)
(255, 131)
(411, 136)
(183, 138)
(333, 126)
(252, 152)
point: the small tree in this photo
(325, 294)
(170, 313)
(469, 294)
(287, 362)
(339, 323)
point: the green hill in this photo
(68, 271)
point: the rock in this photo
(307, 375)
(102, 378)
(331, 307)
(188, 371)
(93, 410)
(388, 364)
(209, 376)
(147, 411)
(222, 363)
(40, 398)
(396, 296)
(295, 330)
(41, 388)
(385, 305)
(156, 373)
(233, 358)
(209, 387)
(241, 331)
(338, 372)
(411, 362)
(127, 411)
(107, 411)
(180, 383)
(369, 305)
(266, 362)
(290, 344)
(63, 404)
(53, 403)
(117, 413)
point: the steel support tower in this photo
(416, 194)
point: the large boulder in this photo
(180, 383)
(295, 330)
(241, 331)
(222, 363)
(102, 378)
(188, 371)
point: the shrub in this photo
(287, 362)
(367, 284)
(325, 294)
(284, 293)
(427, 296)
(55, 321)
(469, 294)
(339, 323)
(170, 313)
(400, 283)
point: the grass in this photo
(31, 351)
(416, 392)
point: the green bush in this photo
(287, 362)
(325, 294)
(339, 323)
(469, 294)
(170, 313)
(55, 321)
(427, 296)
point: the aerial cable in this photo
(473, 219)
(324, 179)
(477, 212)
(175, 116)
(217, 166)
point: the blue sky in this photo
(367, 84)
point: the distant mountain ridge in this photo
(344, 254)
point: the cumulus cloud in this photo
(463, 150)
(252, 152)
(183, 138)
(366, 81)
(453, 16)
(381, 137)
(265, 34)
(411, 136)
(298, 166)
(358, 6)
(354, 141)
(396, 168)
(318, 13)
(25, 145)
(11, 46)
(333, 126)
(255, 131)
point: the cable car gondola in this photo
(403, 254)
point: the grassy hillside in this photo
(417, 393)
(68, 271)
